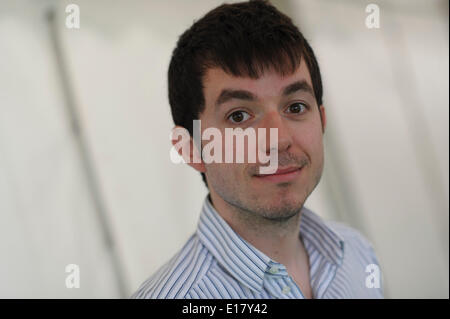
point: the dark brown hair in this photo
(243, 39)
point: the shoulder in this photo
(359, 251)
(360, 261)
(352, 237)
(176, 277)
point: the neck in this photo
(277, 239)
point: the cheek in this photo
(225, 178)
(310, 140)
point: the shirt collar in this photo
(245, 262)
(314, 230)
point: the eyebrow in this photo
(229, 94)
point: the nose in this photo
(275, 120)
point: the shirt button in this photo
(273, 270)
(286, 290)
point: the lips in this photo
(286, 170)
(281, 176)
(281, 171)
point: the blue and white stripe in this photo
(217, 263)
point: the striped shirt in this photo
(218, 263)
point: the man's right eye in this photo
(238, 116)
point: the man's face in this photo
(267, 104)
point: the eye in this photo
(297, 107)
(238, 116)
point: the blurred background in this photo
(85, 172)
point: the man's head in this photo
(251, 46)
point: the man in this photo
(245, 65)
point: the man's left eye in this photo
(297, 107)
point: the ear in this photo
(323, 117)
(184, 145)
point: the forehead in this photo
(268, 85)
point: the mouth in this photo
(282, 175)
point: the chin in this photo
(287, 201)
